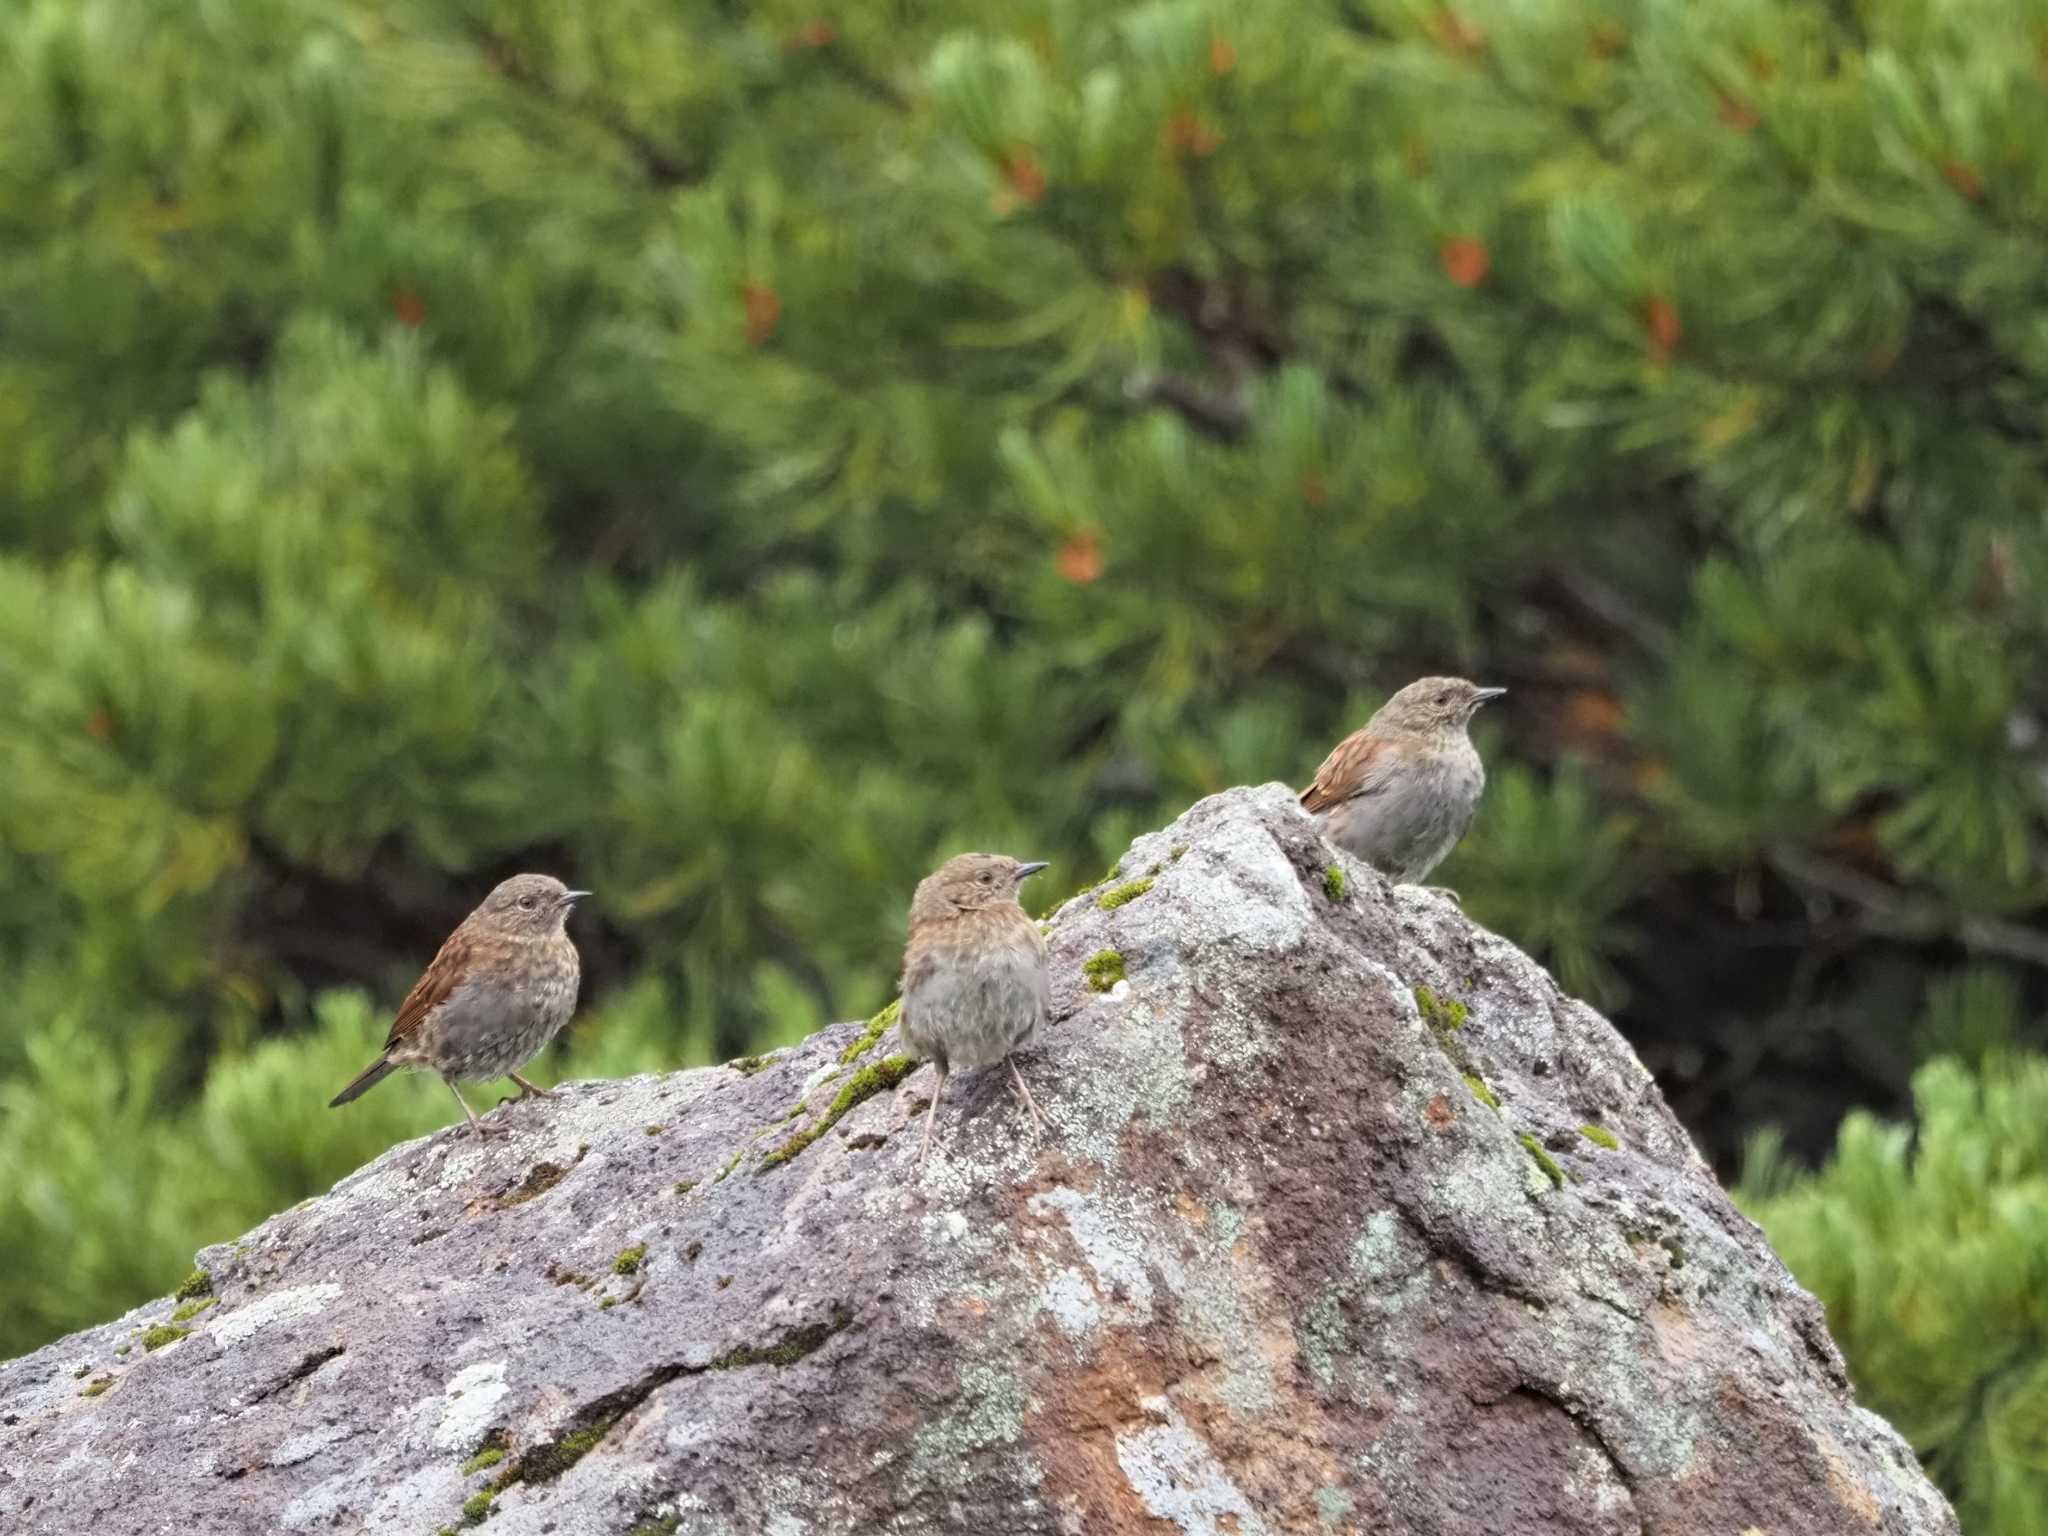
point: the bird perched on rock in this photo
(974, 981)
(500, 989)
(1400, 792)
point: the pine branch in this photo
(1222, 417)
(660, 167)
(861, 78)
(1612, 607)
(1883, 909)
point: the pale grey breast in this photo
(975, 1014)
(490, 1028)
(1410, 824)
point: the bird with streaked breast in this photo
(500, 989)
(975, 987)
(1399, 792)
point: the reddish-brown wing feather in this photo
(1355, 766)
(432, 989)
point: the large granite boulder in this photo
(1346, 1221)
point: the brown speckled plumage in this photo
(1401, 791)
(499, 990)
(974, 979)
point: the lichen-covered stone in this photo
(1273, 1268)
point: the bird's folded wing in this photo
(1357, 765)
(432, 989)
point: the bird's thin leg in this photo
(527, 1090)
(1024, 1093)
(474, 1123)
(931, 1115)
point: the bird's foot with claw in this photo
(1443, 890)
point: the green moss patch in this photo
(477, 1507)
(96, 1386)
(1103, 970)
(1543, 1159)
(747, 1066)
(877, 1077)
(878, 1026)
(1600, 1136)
(662, 1525)
(684, 1186)
(192, 1309)
(198, 1283)
(489, 1456)
(1123, 894)
(1481, 1092)
(791, 1348)
(629, 1262)
(1445, 1018)
(548, 1462)
(162, 1334)
(1441, 1012)
(1333, 882)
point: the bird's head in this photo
(528, 906)
(1432, 706)
(969, 882)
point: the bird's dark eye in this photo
(985, 876)
(526, 902)
(1444, 697)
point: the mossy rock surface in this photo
(1319, 1234)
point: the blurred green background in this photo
(733, 456)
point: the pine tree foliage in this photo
(736, 456)
(1927, 1246)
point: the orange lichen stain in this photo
(1678, 1337)
(1848, 1489)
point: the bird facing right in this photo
(1401, 791)
(501, 988)
(974, 979)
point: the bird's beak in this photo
(1024, 871)
(570, 898)
(1481, 695)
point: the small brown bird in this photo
(499, 990)
(1401, 792)
(974, 981)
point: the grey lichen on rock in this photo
(1319, 1238)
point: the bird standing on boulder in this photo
(1400, 792)
(974, 980)
(500, 989)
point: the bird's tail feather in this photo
(369, 1078)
